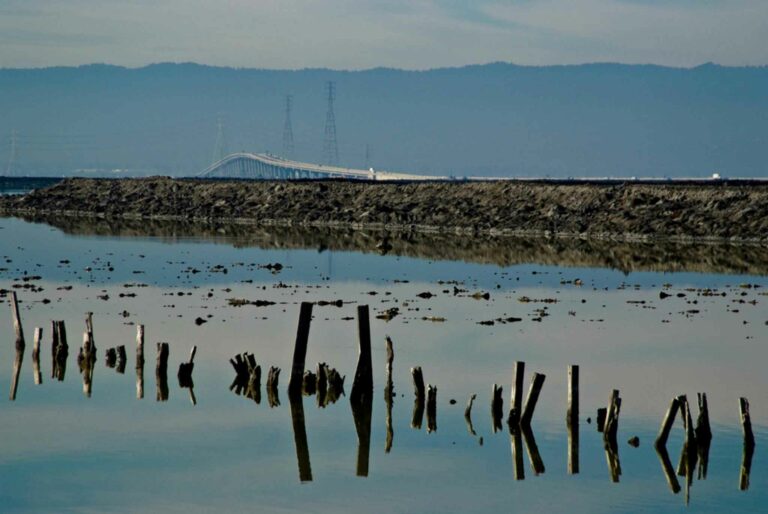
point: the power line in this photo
(288, 129)
(14, 153)
(220, 148)
(330, 145)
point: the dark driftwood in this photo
(300, 437)
(296, 382)
(362, 385)
(36, 355)
(431, 408)
(537, 382)
(161, 371)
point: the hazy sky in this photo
(354, 34)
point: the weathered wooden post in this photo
(516, 393)
(534, 457)
(666, 424)
(59, 350)
(666, 465)
(703, 429)
(572, 415)
(122, 359)
(362, 408)
(431, 408)
(273, 396)
(537, 382)
(36, 355)
(161, 371)
(16, 372)
(17, 328)
(87, 360)
(139, 362)
(184, 376)
(418, 405)
(497, 407)
(516, 443)
(296, 381)
(300, 436)
(363, 382)
(610, 429)
(746, 466)
(746, 422)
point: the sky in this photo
(360, 34)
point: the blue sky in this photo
(355, 34)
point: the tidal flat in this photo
(651, 328)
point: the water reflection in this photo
(502, 251)
(362, 408)
(300, 437)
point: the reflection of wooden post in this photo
(516, 394)
(16, 371)
(18, 329)
(611, 427)
(36, 356)
(418, 404)
(666, 466)
(516, 441)
(468, 415)
(363, 382)
(389, 395)
(139, 362)
(272, 394)
(59, 350)
(300, 350)
(361, 412)
(300, 436)
(121, 359)
(612, 458)
(746, 422)
(87, 360)
(703, 429)
(666, 425)
(534, 457)
(573, 448)
(537, 382)
(746, 466)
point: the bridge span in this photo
(264, 166)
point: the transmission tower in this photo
(220, 149)
(330, 145)
(14, 153)
(288, 129)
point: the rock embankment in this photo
(628, 211)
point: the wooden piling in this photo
(17, 328)
(273, 396)
(611, 427)
(431, 408)
(602, 413)
(537, 382)
(516, 444)
(468, 415)
(666, 424)
(87, 361)
(746, 422)
(666, 465)
(363, 382)
(497, 407)
(703, 429)
(59, 350)
(296, 381)
(38, 336)
(122, 359)
(389, 395)
(16, 371)
(362, 408)
(418, 382)
(746, 466)
(139, 362)
(573, 447)
(572, 416)
(516, 392)
(161, 371)
(534, 457)
(300, 435)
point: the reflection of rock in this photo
(503, 251)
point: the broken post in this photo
(534, 457)
(418, 403)
(703, 429)
(295, 384)
(418, 382)
(272, 394)
(36, 355)
(16, 372)
(666, 424)
(666, 466)
(139, 362)
(87, 360)
(363, 382)
(59, 350)
(185, 375)
(468, 415)
(537, 382)
(389, 395)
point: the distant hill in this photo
(494, 119)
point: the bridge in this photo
(264, 166)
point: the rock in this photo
(634, 441)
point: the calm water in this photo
(65, 452)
